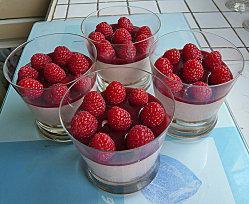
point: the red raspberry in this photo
(164, 66)
(118, 118)
(142, 47)
(173, 82)
(96, 36)
(78, 64)
(38, 61)
(83, 126)
(30, 88)
(220, 74)
(212, 60)
(144, 30)
(121, 36)
(102, 141)
(125, 23)
(54, 94)
(27, 72)
(202, 93)
(61, 55)
(138, 97)
(190, 51)
(152, 114)
(53, 73)
(173, 55)
(192, 71)
(138, 136)
(127, 52)
(105, 51)
(115, 93)
(94, 103)
(104, 28)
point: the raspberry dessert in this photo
(119, 132)
(199, 78)
(122, 40)
(43, 82)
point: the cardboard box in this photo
(16, 28)
(23, 8)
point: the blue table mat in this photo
(33, 170)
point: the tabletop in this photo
(199, 14)
(33, 170)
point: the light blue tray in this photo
(33, 170)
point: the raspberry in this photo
(53, 73)
(190, 51)
(173, 82)
(102, 141)
(118, 118)
(142, 47)
(105, 51)
(115, 93)
(61, 55)
(96, 36)
(121, 36)
(220, 74)
(173, 55)
(94, 103)
(164, 66)
(138, 97)
(38, 61)
(30, 88)
(78, 64)
(152, 114)
(192, 71)
(125, 23)
(212, 60)
(144, 30)
(54, 94)
(104, 28)
(27, 72)
(138, 136)
(83, 126)
(83, 85)
(127, 52)
(201, 93)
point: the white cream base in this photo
(191, 112)
(125, 76)
(50, 116)
(126, 173)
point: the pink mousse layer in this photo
(191, 112)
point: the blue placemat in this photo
(32, 170)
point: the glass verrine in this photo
(196, 116)
(44, 101)
(127, 170)
(132, 54)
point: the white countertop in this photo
(200, 15)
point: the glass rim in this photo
(122, 151)
(196, 31)
(148, 11)
(5, 66)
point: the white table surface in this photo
(200, 15)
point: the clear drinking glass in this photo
(47, 117)
(139, 17)
(123, 171)
(195, 118)
(238, 5)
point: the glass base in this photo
(56, 134)
(238, 5)
(245, 25)
(124, 188)
(143, 82)
(191, 131)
